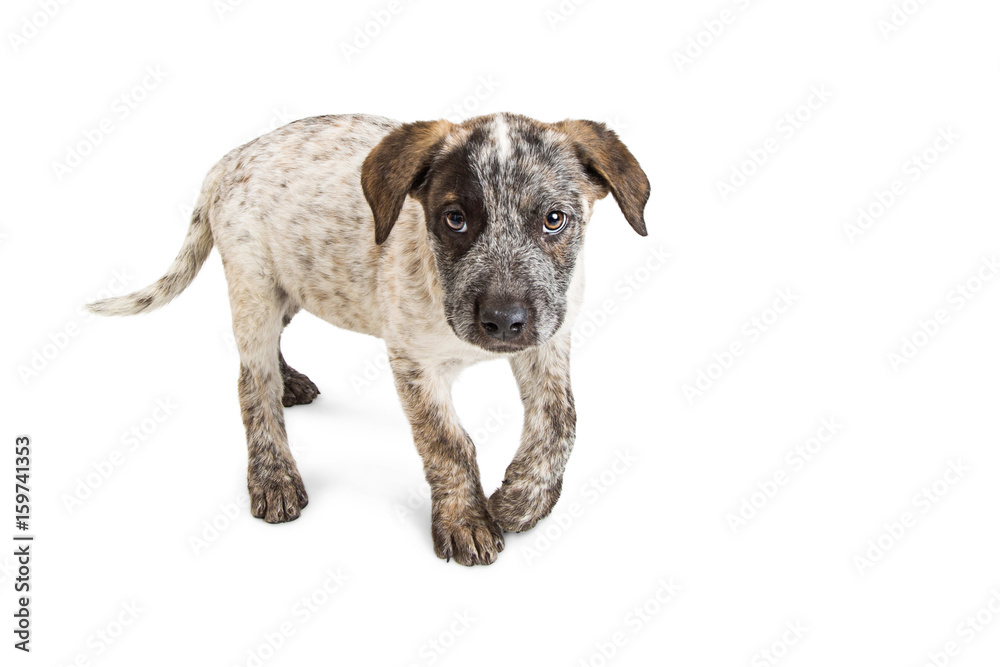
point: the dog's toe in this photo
(299, 389)
(519, 504)
(471, 540)
(278, 500)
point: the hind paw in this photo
(299, 389)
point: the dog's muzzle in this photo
(505, 321)
(504, 324)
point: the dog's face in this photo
(506, 201)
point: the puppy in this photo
(455, 243)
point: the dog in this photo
(453, 242)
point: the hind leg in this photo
(276, 490)
(299, 389)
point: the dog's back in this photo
(293, 200)
(288, 205)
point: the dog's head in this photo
(506, 200)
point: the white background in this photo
(566, 591)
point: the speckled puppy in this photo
(487, 220)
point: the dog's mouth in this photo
(502, 346)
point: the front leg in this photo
(461, 526)
(533, 480)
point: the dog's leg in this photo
(276, 490)
(533, 480)
(461, 526)
(299, 389)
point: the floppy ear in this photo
(395, 167)
(603, 153)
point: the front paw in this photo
(467, 535)
(521, 502)
(276, 496)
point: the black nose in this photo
(503, 320)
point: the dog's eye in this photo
(555, 221)
(455, 221)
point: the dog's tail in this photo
(197, 245)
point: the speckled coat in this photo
(345, 217)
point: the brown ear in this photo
(603, 153)
(395, 166)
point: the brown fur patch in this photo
(391, 170)
(602, 150)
